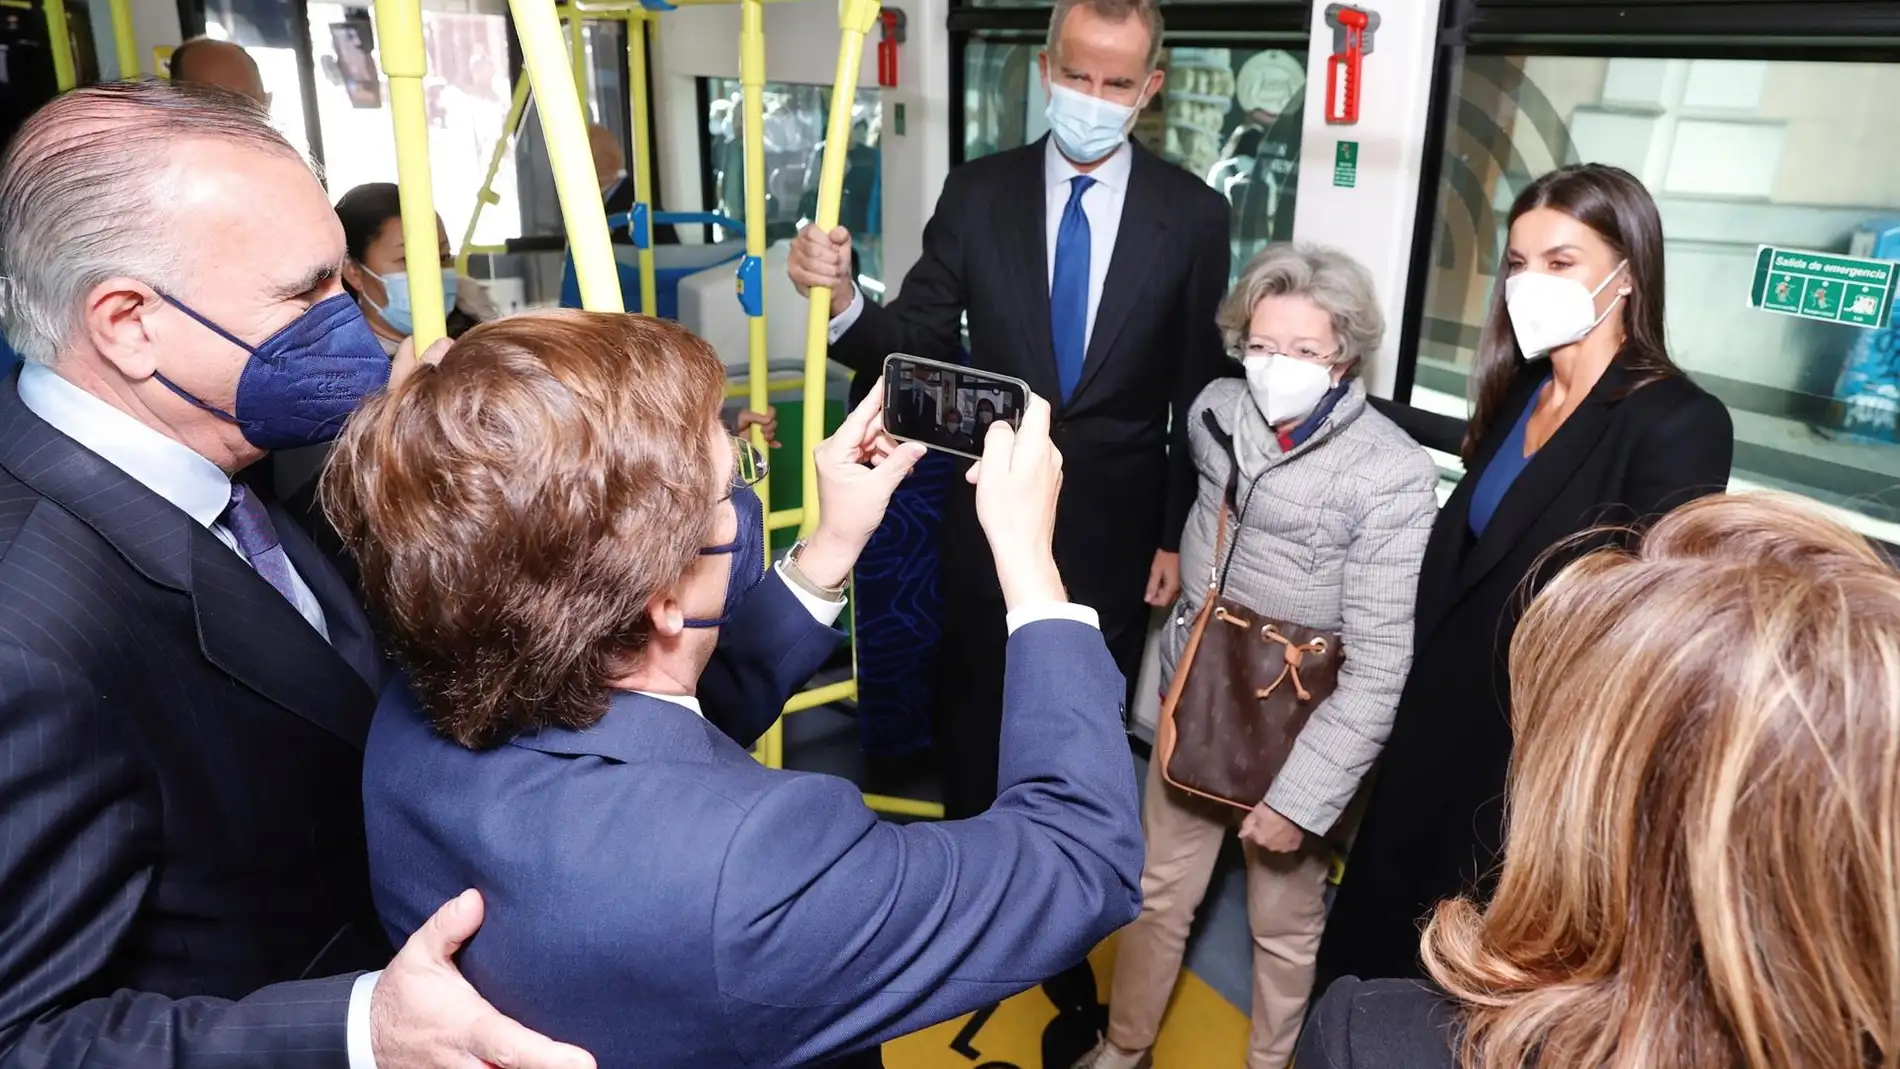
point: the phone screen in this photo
(945, 406)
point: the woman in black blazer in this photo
(1581, 420)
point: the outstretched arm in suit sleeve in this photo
(76, 815)
(926, 319)
(774, 642)
(835, 931)
(1201, 360)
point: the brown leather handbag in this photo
(1242, 691)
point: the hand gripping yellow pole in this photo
(855, 19)
(124, 38)
(565, 130)
(643, 154)
(59, 40)
(399, 24)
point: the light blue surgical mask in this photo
(395, 308)
(1087, 128)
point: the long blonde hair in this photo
(1702, 866)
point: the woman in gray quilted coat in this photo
(1334, 505)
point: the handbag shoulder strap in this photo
(1230, 505)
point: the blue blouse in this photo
(1505, 467)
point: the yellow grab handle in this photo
(399, 24)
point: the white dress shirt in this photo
(1102, 204)
(199, 488)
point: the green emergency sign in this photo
(1824, 286)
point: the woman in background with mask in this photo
(1581, 420)
(377, 272)
(1328, 509)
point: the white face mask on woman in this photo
(1551, 311)
(1286, 388)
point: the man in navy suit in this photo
(660, 898)
(185, 681)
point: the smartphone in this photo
(946, 406)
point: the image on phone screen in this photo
(945, 406)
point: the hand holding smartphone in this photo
(946, 406)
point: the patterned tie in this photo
(250, 524)
(1069, 290)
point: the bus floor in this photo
(1206, 1023)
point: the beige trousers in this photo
(1286, 909)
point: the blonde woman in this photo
(1703, 848)
(1331, 506)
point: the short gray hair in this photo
(1112, 11)
(1338, 284)
(84, 193)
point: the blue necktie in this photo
(1069, 290)
(256, 537)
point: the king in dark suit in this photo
(1091, 269)
(186, 682)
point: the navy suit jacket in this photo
(180, 767)
(662, 900)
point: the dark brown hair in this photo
(516, 509)
(1612, 202)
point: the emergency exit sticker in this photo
(1346, 164)
(1825, 286)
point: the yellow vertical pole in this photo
(642, 151)
(399, 24)
(752, 273)
(59, 38)
(855, 19)
(509, 127)
(564, 127)
(125, 38)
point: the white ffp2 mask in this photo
(1551, 311)
(1286, 388)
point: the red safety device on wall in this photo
(892, 21)
(1352, 42)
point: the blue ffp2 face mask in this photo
(748, 555)
(302, 382)
(1086, 128)
(396, 309)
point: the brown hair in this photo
(516, 509)
(1614, 203)
(1113, 11)
(1702, 863)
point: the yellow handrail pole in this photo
(643, 154)
(565, 129)
(399, 24)
(758, 377)
(60, 41)
(855, 19)
(125, 38)
(509, 128)
(161, 60)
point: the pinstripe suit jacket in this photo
(181, 828)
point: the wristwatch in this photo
(804, 582)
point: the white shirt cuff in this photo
(825, 612)
(843, 320)
(1055, 610)
(356, 1032)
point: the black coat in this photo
(1127, 483)
(1380, 1024)
(181, 760)
(1434, 825)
